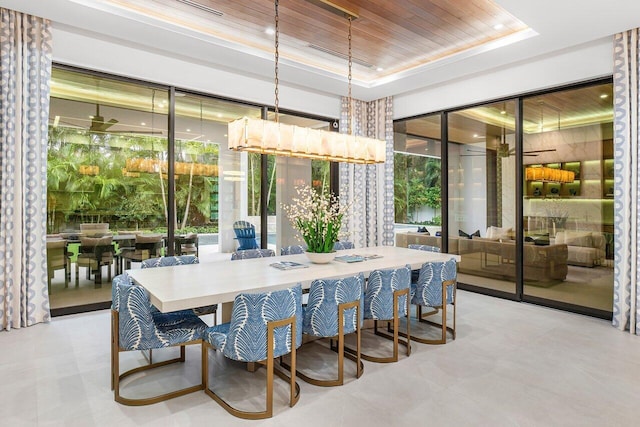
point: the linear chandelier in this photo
(546, 174)
(273, 137)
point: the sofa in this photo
(585, 248)
(495, 258)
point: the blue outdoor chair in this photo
(293, 249)
(137, 325)
(387, 299)
(169, 261)
(436, 288)
(263, 326)
(334, 309)
(339, 246)
(252, 253)
(246, 235)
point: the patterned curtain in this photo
(25, 71)
(369, 187)
(626, 315)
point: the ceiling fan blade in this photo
(541, 151)
(530, 155)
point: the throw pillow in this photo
(423, 230)
(573, 238)
(469, 236)
(496, 233)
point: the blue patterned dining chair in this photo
(339, 246)
(293, 249)
(137, 325)
(435, 289)
(252, 253)
(426, 248)
(263, 326)
(169, 261)
(386, 298)
(334, 309)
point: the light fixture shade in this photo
(543, 173)
(267, 137)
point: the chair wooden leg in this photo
(269, 362)
(443, 325)
(116, 376)
(395, 334)
(356, 356)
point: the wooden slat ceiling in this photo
(388, 36)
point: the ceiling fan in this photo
(504, 151)
(98, 124)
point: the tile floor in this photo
(512, 364)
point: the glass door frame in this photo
(519, 294)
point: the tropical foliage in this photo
(416, 185)
(87, 181)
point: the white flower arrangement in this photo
(317, 217)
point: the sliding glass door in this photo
(568, 197)
(482, 195)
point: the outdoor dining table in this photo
(195, 285)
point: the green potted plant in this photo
(317, 217)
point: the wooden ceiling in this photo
(388, 36)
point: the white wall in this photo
(467, 192)
(589, 61)
(124, 59)
(585, 62)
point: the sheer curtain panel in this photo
(625, 82)
(25, 71)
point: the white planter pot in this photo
(320, 258)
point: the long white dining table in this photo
(218, 282)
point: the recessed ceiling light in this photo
(225, 135)
(219, 114)
(498, 26)
(604, 95)
(91, 117)
(188, 130)
(270, 31)
(143, 124)
(379, 69)
(475, 135)
(503, 112)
